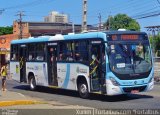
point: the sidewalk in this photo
(8, 98)
(14, 100)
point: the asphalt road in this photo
(147, 100)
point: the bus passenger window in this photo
(66, 51)
(77, 56)
(30, 57)
(70, 56)
(81, 51)
(39, 58)
(13, 57)
(14, 52)
(60, 57)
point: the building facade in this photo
(56, 17)
(35, 29)
(5, 47)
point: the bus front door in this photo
(97, 68)
(22, 63)
(52, 65)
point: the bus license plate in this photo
(134, 91)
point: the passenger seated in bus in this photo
(77, 56)
(70, 56)
(62, 57)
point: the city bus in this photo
(108, 63)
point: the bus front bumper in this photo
(118, 90)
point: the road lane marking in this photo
(21, 95)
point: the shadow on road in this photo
(75, 94)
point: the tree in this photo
(6, 30)
(121, 21)
(155, 43)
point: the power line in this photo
(144, 12)
(154, 11)
(1, 11)
(152, 15)
(34, 3)
(135, 7)
(146, 15)
(158, 1)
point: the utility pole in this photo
(100, 22)
(1, 11)
(109, 21)
(84, 16)
(20, 14)
(73, 30)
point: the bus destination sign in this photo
(129, 37)
(125, 37)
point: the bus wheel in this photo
(83, 90)
(32, 83)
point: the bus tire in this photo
(83, 89)
(32, 83)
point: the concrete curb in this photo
(19, 102)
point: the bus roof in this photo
(61, 37)
(30, 40)
(88, 35)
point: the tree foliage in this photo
(6, 30)
(122, 21)
(155, 43)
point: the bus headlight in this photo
(114, 82)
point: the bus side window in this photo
(77, 56)
(40, 49)
(40, 58)
(61, 55)
(81, 51)
(13, 57)
(14, 53)
(66, 51)
(30, 57)
(69, 56)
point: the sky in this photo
(35, 10)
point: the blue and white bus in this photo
(109, 63)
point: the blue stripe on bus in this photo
(66, 81)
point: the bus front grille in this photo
(130, 89)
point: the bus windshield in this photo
(129, 58)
